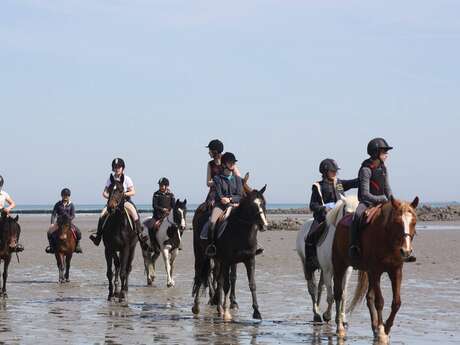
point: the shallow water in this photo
(39, 310)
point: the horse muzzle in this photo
(407, 256)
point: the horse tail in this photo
(360, 291)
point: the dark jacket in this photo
(374, 187)
(160, 201)
(229, 187)
(328, 193)
(60, 209)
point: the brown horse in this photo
(386, 243)
(65, 243)
(9, 231)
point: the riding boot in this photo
(311, 260)
(77, 244)
(259, 249)
(98, 237)
(50, 248)
(211, 248)
(354, 250)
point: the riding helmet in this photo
(328, 164)
(163, 182)
(1, 181)
(65, 192)
(118, 162)
(216, 145)
(228, 157)
(377, 144)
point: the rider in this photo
(229, 190)
(374, 189)
(215, 168)
(325, 194)
(162, 202)
(118, 168)
(61, 208)
(5, 197)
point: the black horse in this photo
(9, 233)
(120, 239)
(237, 244)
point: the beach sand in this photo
(39, 310)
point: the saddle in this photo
(368, 217)
(221, 225)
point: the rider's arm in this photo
(131, 192)
(173, 201)
(72, 212)
(364, 188)
(105, 193)
(238, 192)
(236, 171)
(316, 202)
(219, 192)
(54, 214)
(350, 184)
(388, 191)
(209, 181)
(11, 204)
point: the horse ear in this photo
(112, 179)
(414, 203)
(262, 191)
(16, 218)
(185, 202)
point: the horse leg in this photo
(1, 282)
(220, 284)
(396, 278)
(370, 299)
(60, 265)
(68, 259)
(6, 264)
(167, 262)
(345, 281)
(320, 290)
(173, 260)
(327, 276)
(108, 259)
(233, 273)
(149, 272)
(226, 275)
(338, 295)
(116, 261)
(379, 302)
(313, 291)
(250, 269)
(129, 267)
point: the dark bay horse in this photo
(65, 243)
(9, 230)
(120, 239)
(385, 245)
(237, 244)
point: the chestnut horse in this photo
(65, 242)
(385, 245)
(9, 230)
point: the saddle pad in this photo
(371, 213)
(346, 220)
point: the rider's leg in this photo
(137, 224)
(19, 247)
(100, 225)
(215, 215)
(310, 244)
(354, 250)
(77, 245)
(51, 230)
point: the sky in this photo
(282, 83)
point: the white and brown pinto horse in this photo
(386, 243)
(346, 205)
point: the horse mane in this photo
(350, 203)
(331, 216)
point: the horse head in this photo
(254, 206)
(180, 214)
(11, 229)
(402, 225)
(64, 225)
(116, 194)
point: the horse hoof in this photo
(227, 316)
(4, 295)
(317, 318)
(341, 333)
(257, 315)
(170, 284)
(327, 317)
(234, 305)
(67, 280)
(149, 282)
(195, 309)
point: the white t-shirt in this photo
(3, 196)
(127, 183)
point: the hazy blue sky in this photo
(282, 83)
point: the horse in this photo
(9, 231)
(346, 205)
(238, 243)
(386, 243)
(168, 237)
(65, 243)
(120, 239)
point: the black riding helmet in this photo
(118, 162)
(228, 157)
(163, 182)
(65, 192)
(328, 164)
(377, 144)
(1, 181)
(216, 145)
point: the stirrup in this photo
(96, 239)
(78, 249)
(19, 248)
(49, 250)
(259, 250)
(211, 250)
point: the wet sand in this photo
(39, 310)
